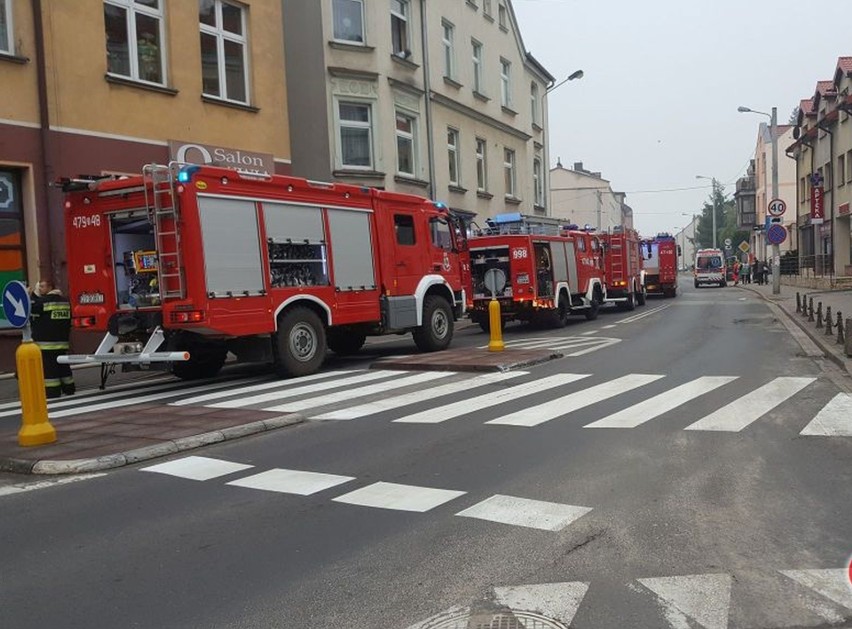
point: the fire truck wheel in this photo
(204, 362)
(594, 307)
(641, 296)
(630, 304)
(437, 330)
(559, 317)
(345, 342)
(300, 343)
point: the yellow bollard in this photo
(36, 428)
(496, 326)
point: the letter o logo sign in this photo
(183, 154)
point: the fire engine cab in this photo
(625, 281)
(547, 272)
(203, 261)
(659, 259)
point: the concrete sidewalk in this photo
(840, 301)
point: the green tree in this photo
(726, 221)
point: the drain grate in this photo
(499, 620)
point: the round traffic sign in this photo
(727, 242)
(776, 234)
(495, 280)
(776, 207)
(16, 304)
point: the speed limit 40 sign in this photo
(776, 207)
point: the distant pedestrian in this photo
(764, 273)
(745, 272)
(51, 329)
(756, 271)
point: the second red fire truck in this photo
(660, 263)
(203, 261)
(545, 272)
(625, 280)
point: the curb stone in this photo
(111, 461)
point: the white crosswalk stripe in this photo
(638, 414)
(291, 481)
(197, 468)
(296, 391)
(398, 497)
(536, 514)
(359, 392)
(423, 395)
(834, 420)
(449, 411)
(750, 407)
(569, 345)
(535, 415)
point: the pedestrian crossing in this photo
(515, 399)
(380, 495)
(569, 346)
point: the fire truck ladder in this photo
(162, 207)
(617, 244)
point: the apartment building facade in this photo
(823, 158)
(439, 99)
(585, 198)
(95, 87)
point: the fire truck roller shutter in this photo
(560, 264)
(352, 254)
(570, 254)
(231, 242)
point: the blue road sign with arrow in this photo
(16, 304)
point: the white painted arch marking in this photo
(833, 584)
(705, 598)
(833, 420)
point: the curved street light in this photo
(578, 74)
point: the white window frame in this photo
(538, 182)
(131, 8)
(486, 8)
(338, 124)
(841, 169)
(505, 82)
(404, 18)
(476, 57)
(8, 47)
(481, 165)
(453, 158)
(509, 161)
(447, 37)
(534, 103)
(408, 136)
(221, 35)
(502, 14)
(351, 42)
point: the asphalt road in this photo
(677, 516)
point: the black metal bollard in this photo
(828, 322)
(798, 302)
(819, 316)
(847, 345)
(840, 340)
(811, 309)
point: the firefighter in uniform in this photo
(51, 328)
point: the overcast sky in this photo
(663, 79)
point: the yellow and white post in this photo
(36, 429)
(495, 326)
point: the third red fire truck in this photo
(545, 272)
(204, 261)
(625, 285)
(660, 263)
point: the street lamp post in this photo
(715, 210)
(574, 75)
(773, 131)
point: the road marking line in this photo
(398, 401)
(608, 327)
(360, 392)
(18, 488)
(197, 468)
(833, 584)
(280, 384)
(291, 481)
(154, 397)
(602, 342)
(589, 333)
(463, 407)
(286, 394)
(705, 598)
(834, 420)
(132, 388)
(535, 415)
(535, 514)
(397, 497)
(647, 410)
(644, 314)
(752, 406)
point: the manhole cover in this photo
(489, 620)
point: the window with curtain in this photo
(349, 20)
(509, 170)
(449, 53)
(405, 144)
(505, 83)
(476, 54)
(399, 28)
(134, 39)
(481, 165)
(453, 155)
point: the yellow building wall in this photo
(81, 98)
(19, 81)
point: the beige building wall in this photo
(83, 100)
(763, 187)
(18, 78)
(585, 198)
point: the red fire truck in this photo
(545, 273)
(660, 264)
(625, 284)
(204, 261)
